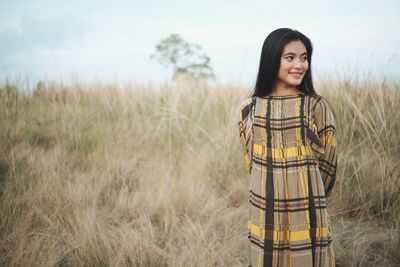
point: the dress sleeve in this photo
(245, 134)
(327, 161)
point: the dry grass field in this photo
(138, 175)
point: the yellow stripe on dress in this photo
(330, 139)
(287, 235)
(283, 153)
(247, 161)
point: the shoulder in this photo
(320, 104)
(245, 107)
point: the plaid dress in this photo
(289, 150)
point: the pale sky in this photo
(113, 40)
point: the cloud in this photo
(41, 33)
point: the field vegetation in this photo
(143, 175)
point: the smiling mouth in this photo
(296, 74)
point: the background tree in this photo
(185, 58)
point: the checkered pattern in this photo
(289, 150)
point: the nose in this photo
(298, 64)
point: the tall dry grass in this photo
(107, 175)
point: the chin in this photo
(294, 83)
(297, 82)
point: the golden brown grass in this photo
(107, 175)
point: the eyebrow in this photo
(291, 53)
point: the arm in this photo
(245, 132)
(327, 162)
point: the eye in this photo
(289, 58)
(305, 58)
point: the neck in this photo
(285, 90)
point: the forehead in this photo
(296, 47)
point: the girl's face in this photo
(294, 65)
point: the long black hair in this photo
(270, 61)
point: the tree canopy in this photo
(184, 57)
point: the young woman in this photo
(287, 133)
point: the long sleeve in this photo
(327, 161)
(245, 134)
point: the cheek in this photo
(284, 67)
